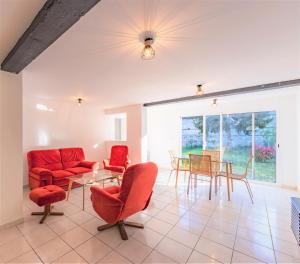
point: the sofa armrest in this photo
(89, 164)
(41, 171)
(41, 175)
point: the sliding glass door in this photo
(238, 136)
(265, 146)
(212, 132)
(192, 135)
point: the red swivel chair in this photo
(118, 161)
(116, 203)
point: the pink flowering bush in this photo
(264, 153)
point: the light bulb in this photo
(199, 90)
(148, 53)
(79, 101)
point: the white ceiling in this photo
(224, 44)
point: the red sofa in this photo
(52, 166)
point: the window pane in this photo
(212, 132)
(192, 135)
(265, 146)
(237, 140)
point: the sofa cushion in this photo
(47, 159)
(78, 170)
(71, 157)
(58, 174)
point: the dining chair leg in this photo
(177, 171)
(249, 187)
(216, 185)
(210, 187)
(231, 184)
(170, 175)
(189, 183)
(228, 187)
(249, 191)
(220, 181)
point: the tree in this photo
(242, 123)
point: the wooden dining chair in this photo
(177, 164)
(240, 177)
(200, 165)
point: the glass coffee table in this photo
(92, 178)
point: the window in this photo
(238, 136)
(118, 126)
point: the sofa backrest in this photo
(71, 157)
(48, 159)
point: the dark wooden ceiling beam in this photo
(244, 90)
(55, 18)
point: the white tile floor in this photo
(178, 228)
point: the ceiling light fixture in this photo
(79, 101)
(148, 53)
(199, 90)
(214, 104)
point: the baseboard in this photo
(13, 223)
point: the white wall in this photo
(164, 126)
(134, 131)
(68, 125)
(11, 185)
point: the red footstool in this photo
(45, 196)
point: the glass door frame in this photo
(221, 136)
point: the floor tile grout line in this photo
(194, 248)
(270, 231)
(233, 249)
(29, 245)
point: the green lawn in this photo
(264, 171)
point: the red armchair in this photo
(53, 166)
(116, 203)
(118, 161)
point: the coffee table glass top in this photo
(93, 177)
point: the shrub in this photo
(264, 153)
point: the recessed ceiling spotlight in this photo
(214, 103)
(148, 53)
(199, 90)
(79, 101)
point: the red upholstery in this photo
(78, 170)
(116, 203)
(52, 166)
(118, 161)
(71, 157)
(58, 174)
(46, 159)
(47, 195)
